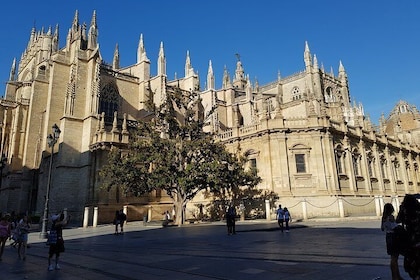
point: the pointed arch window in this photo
(356, 162)
(329, 95)
(408, 169)
(416, 172)
(340, 155)
(383, 165)
(109, 101)
(371, 165)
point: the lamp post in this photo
(51, 139)
(2, 166)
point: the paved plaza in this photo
(320, 249)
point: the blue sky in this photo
(377, 41)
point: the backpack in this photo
(52, 237)
(402, 239)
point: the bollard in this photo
(267, 210)
(149, 214)
(378, 206)
(95, 216)
(340, 207)
(304, 209)
(125, 210)
(86, 217)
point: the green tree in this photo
(173, 153)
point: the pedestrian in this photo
(13, 225)
(388, 225)
(59, 221)
(22, 230)
(166, 218)
(280, 217)
(231, 219)
(122, 218)
(5, 231)
(116, 221)
(287, 218)
(409, 216)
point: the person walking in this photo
(388, 225)
(5, 231)
(116, 221)
(22, 229)
(280, 217)
(287, 218)
(231, 219)
(122, 218)
(58, 223)
(409, 217)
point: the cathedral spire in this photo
(240, 80)
(226, 78)
(12, 70)
(341, 68)
(307, 55)
(75, 24)
(141, 51)
(116, 59)
(32, 37)
(161, 61)
(188, 66)
(210, 77)
(315, 62)
(342, 75)
(93, 33)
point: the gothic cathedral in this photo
(312, 147)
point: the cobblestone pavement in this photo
(319, 249)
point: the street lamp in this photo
(51, 139)
(2, 166)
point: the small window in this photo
(300, 163)
(253, 163)
(296, 95)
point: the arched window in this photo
(109, 100)
(329, 95)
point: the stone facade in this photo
(310, 145)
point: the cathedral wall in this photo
(69, 189)
(293, 88)
(56, 94)
(129, 92)
(297, 109)
(35, 125)
(80, 100)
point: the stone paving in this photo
(318, 249)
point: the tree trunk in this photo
(180, 210)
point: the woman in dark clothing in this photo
(58, 223)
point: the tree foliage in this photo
(173, 153)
